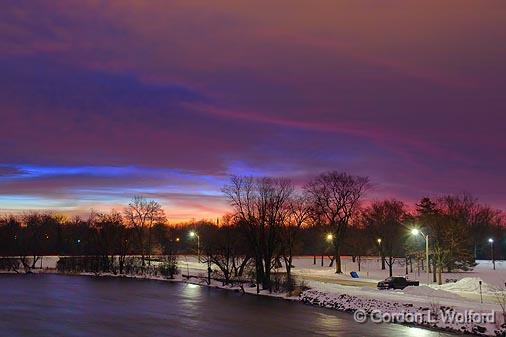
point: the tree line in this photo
(271, 221)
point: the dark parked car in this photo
(396, 283)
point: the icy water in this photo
(54, 305)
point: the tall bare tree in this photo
(260, 207)
(108, 232)
(141, 215)
(336, 199)
(226, 250)
(299, 212)
(386, 220)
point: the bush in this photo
(81, 264)
(281, 283)
(133, 266)
(299, 289)
(9, 263)
(168, 267)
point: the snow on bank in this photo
(343, 293)
(338, 299)
(430, 315)
(430, 292)
(469, 285)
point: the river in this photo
(57, 305)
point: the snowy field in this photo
(371, 270)
(370, 274)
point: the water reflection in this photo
(51, 305)
(417, 332)
(327, 321)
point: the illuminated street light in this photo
(380, 254)
(194, 234)
(491, 241)
(329, 237)
(415, 232)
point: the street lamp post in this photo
(415, 232)
(194, 234)
(491, 241)
(381, 254)
(329, 238)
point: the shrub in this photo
(9, 263)
(281, 283)
(168, 267)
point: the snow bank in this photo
(430, 292)
(427, 313)
(469, 285)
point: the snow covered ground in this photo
(342, 292)
(467, 285)
(371, 270)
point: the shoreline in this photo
(310, 297)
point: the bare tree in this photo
(36, 237)
(299, 212)
(123, 248)
(358, 242)
(260, 208)
(224, 248)
(335, 200)
(108, 232)
(386, 220)
(142, 214)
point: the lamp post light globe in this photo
(194, 234)
(491, 241)
(330, 237)
(415, 232)
(380, 253)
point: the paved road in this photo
(335, 280)
(358, 283)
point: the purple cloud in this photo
(224, 88)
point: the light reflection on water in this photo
(327, 322)
(417, 332)
(54, 305)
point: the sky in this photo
(104, 100)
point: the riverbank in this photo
(60, 305)
(340, 301)
(432, 316)
(343, 293)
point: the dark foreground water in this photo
(54, 305)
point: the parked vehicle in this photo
(397, 282)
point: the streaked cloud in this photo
(103, 100)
